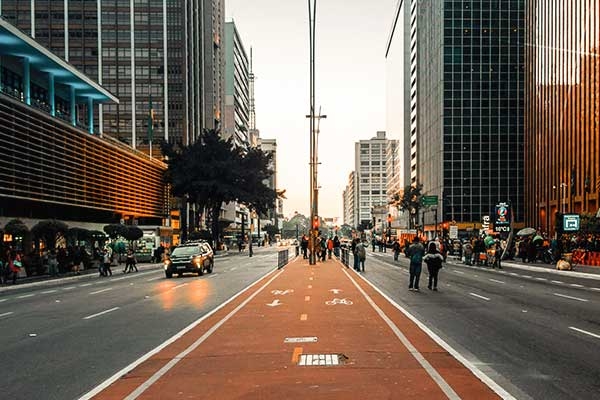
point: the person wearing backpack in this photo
(434, 260)
(362, 255)
(415, 253)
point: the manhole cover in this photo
(321, 359)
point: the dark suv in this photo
(196, 257)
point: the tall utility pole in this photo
(314, 212)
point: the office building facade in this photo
(349, 201)
(370, 177)
(161, 58)
(237, 90)
(470, 94)
(562, 110)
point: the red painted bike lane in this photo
(304, 331)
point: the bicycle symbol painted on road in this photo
(282, 292)
(335, 301)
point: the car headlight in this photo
(197, 260)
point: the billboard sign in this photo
(502, 218)
(571, 222)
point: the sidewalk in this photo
(319, 332)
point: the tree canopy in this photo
(49, 231)
(212, 171)
(410, 201)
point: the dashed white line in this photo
(570, 297)
(86, 284)
(497, 281)
(559, 282)
(541, 279)
(178, 286)
(213, 275)
(586, 332)
(6, 313)
(479, 296)
(26, 295)
(513, 274)
(576, 285)
(459, 272)
(101, 313)
(70, 288)
(596, 289)
(527, 276)
(49, 291)
(154, 279)
(3, 300)
(100, 291)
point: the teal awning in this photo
(16, 43)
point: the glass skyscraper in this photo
(470, 93)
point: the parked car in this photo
(196, 257)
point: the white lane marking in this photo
(6, 313)
(541, 279)
(499, 390)
(26, 295)
(154, 279)
(100, 291)
(233, 268)
(479, 296)
(569, 297)
(213, 274)
(70, 288)
(576, 285)
(178, 286)
(459, 272)
(49, 291)
(494, 280)
(101, 313)
(586, 332)
(86, 285)
(174, 361)
(559, 282)
(433, 373)
(513, 274)
(595, 288)
(3, 300)
(502, 272)
(527, 276)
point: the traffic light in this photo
(315, 223)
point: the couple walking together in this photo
(433, 259)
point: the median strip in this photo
(101, 313)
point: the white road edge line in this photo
(570, 297)
(586, 332)
(479, 296)
(100, 291)
(497, 281)
(431, 371)
(499, 390)
(101, 313)
(6, 313)
(89, 395)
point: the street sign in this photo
(453, 232)
(571, 222)
(429, 200)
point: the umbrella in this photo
(526, 232)
(488, 241)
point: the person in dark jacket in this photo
(434, 260)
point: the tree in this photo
(132, 233)
(115, 231)
(271, 230)
(298, 220)
(345, 231)
(50, 231)
(212, 171)
(75, 235)
(410, 201)
(16, 227)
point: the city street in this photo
(60, 339)
(535, 332)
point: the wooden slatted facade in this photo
(48, 164)
(562, 109)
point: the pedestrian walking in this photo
(104, 264)
(355, 253)
(15, 265)
(329, 248)
(336, 246)
(434, 261)
(130, 262)
(362, 255)
(415, 253)
(304, 246)
(396, 249)
(52, 263)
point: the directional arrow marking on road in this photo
(335, 291)
(275, 303)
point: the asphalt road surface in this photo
(537, 334)
(61, 339)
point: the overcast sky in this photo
(350, 86)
